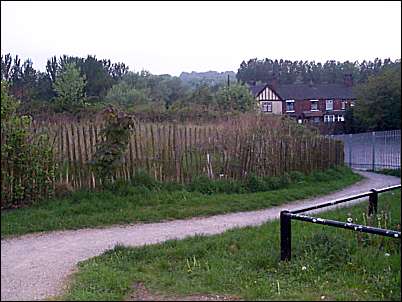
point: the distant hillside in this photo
(211, 78)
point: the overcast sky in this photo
(171, 37)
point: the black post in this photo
(373, 201)
(286, 236)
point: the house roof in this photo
(306, 91)
(321, 91)
(256, 89)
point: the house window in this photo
(329, 105)
(314, 105)
(329, 118)
(343, 105)
(266, 106)
(340, 118)
(290, 106)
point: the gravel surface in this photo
(36, 266)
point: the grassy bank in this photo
(327, 264)
(392, 172)
(148, 201)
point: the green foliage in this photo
(208, 186)
(296, 176)
(392, 172)
(235, 97)
(69, 87)
(142, 178)
(27, 161)
(151, 201)
(126, 95)
(255, 184)
(378, 105)
(109, 152)
(299, 72)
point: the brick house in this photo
(308, 103)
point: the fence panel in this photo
(172, 152)
(372, 150)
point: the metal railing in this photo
(287, 216)
(372, 150)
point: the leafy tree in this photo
(52, 68)
(236, 97)
(378, 104)
(126, 95)
(44, 88)
(6, 67)
(69, 87)
(202, 95)
(28, 81)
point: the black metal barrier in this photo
(287, 216)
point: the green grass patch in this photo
(327, 263)
(150, 201)
(392, 172)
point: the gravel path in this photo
(36, 266)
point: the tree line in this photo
(27, 84)
(72, 83)
(305, 72)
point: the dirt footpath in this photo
(36, 266)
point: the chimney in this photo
(274, 82)
(348, 80)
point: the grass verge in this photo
(327, 263)
(392, 172)
(145, 202)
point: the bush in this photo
(142, 178)
(172, 186)
(255, 184)
(28, 169)
(285, 180)
(229, 186)
(296, 176)
(202, 184)
(272, 183)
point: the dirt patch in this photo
(141, 293)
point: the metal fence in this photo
(372, 150)
(287, 216)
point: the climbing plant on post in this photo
(110, 151)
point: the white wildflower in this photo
(304, 268)
(387, 254)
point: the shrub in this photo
(28, 169)
(142, 178)
(254, 183)
(285, 180)
(229, 186)
(202, 184)
(272, 183)
(171, 186)
(296, 176)
(110, 151)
